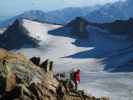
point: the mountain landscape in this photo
(97, 40)
(121, 10)
(84, 48)
(57, 17)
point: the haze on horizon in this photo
(10, 8)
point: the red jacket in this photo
(77, 76)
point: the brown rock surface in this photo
(20, 79)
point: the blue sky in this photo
(13, 7)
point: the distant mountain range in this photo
(58, 16)
(121, 10)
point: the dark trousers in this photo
(76, 86)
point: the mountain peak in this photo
(17, 22)
(16, 25)
(79, 20)
(16, 36)
(78, 26)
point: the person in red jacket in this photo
(77, 78)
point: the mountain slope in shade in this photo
(16, 36)
(119, 28)
(24, 33)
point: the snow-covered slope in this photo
(25, 33)
(2, 30)
(38, 30)
(95, 55)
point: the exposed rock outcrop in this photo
(21, 79)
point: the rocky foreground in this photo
(21, 79)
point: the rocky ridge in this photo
(23, 79)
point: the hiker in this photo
(66, 85)
(60, 76)
(3, 76)
(60, 91)
(71, 86)
(71, 81)
(76, 76)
